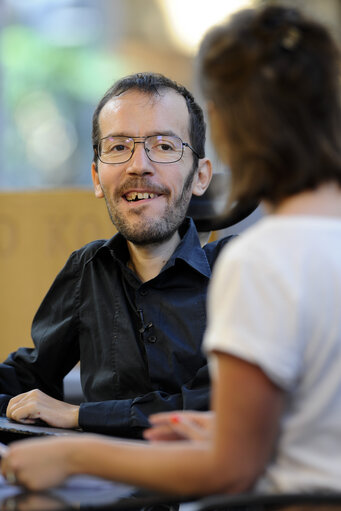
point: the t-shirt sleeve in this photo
(253, 314)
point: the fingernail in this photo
(175, 419)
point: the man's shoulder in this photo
(214, 248)
(88, 251)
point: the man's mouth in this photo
(136, 196)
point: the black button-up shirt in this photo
(139, 344)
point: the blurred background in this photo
(57, 58)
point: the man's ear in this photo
(202, 177)
(95, 179)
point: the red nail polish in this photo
(175, 419)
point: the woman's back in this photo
(285, 318)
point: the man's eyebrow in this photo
(166, 133)
(122, 135)
(169, 133)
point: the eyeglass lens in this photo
(159, 148)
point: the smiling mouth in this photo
(137, 196)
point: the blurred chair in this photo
(212, 211)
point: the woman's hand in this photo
(181, 425)
(37, 464)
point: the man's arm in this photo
(56, 350)
(129, 417)
(125, 417)
(9, 386)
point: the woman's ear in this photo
(202, 177)
(95, 179)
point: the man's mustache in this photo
(138, 183)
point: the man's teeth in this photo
(134, 196)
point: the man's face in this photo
(168, 186)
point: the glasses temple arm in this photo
(191, 148)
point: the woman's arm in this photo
(247, 407)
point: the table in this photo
(78, 492)
(11, 431)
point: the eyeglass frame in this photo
(183, 144)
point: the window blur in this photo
(58, 57)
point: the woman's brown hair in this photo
(273, 76)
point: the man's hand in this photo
(180, 425)
(33, 405)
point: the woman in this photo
(270, 78)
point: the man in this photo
(131, 309)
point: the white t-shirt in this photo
(275, 301)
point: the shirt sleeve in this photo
(253, 313)
(54, 334)
(129, 417)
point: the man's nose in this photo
(139, 163)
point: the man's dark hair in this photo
(153, 84)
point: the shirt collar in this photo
(189, 249)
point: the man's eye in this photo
(118, 147)
(165, 147)
(115, 148)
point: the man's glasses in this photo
(159, 148)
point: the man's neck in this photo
(147, 261)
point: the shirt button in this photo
(152, 338)
(143, 292)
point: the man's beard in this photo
(155, 230)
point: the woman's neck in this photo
(324, 201)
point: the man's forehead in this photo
(161, 96)
(167, 105)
